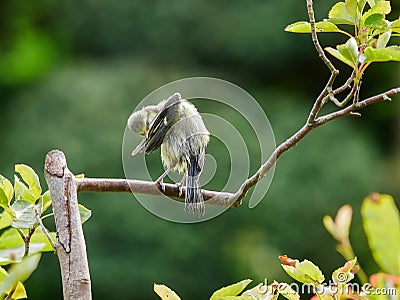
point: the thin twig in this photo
(339, 90)
(346, 100)
(321, 53)
(334, 72)
(386, 96)
(31, 231)
(26, 240)
(44, 230)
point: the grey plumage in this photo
(175, 126)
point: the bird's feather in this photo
(139, 148)
(162, 123)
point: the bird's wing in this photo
(139, 148)
(162, 123)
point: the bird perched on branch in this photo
(175, 125)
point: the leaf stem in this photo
(44, 229)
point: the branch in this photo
(385, 96)
(313, 121)
(226, 199)
(147, 187)
(321, 53)
(70, 246)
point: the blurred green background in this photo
(72, 71)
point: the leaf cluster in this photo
(23, 239)
(369, 32)
(381, 222)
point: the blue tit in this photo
(176, 126)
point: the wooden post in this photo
(70, 245)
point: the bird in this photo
(175, 126)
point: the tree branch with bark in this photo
(314, 120)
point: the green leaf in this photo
(5, 220)
(20, 272)
(243, 297)
(349, 50)
(165, 292)
(340, 228)
(344, 274)
(46, 199)
(305, 27)
(231, 290)
(376, 21)
(260, 291)
(391, 53)
(11, 239)
(347, 53)
(329, 225)
(25, 215)
(335, 53)
(12, 255)
(3, 199)
(361, 5)
(40, 237)
(305, 271)
(395, 26)
(30, 177)
(339, 14)
(7, 188)
(22, 192)
(381, 223)
(380, 8)
(286, 291)
(352, 9)
(84, 213)
(20, 292)
(383, 39)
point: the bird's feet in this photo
(180, 184)
(159, 182)
(160, 185)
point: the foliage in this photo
(381, 224)
(381, 221)
(95, 80)
(23, 239)
(371, 33)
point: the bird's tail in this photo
(194, 202)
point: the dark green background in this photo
(72, 71)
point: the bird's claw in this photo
(160, 185)
(179, 185)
